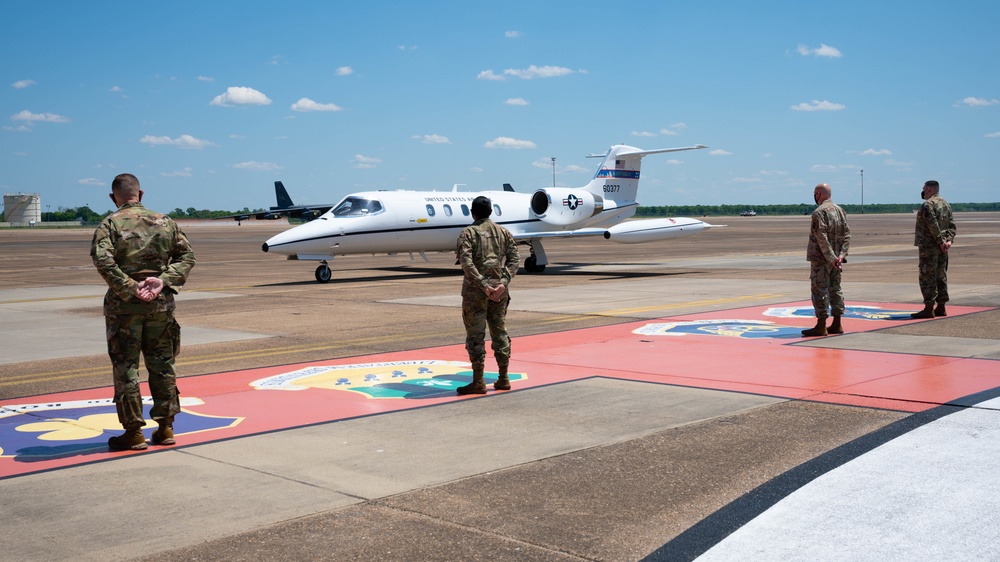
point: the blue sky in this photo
(209, 103)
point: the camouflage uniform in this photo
(935, 226)
(829, 238)
(130, 245)
(488, 255)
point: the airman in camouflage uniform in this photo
(489, 259)
(829, 240)
(144, 258)
(935, 232)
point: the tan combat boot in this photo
(164, 435)
(502, 382)
(818, 330)
(131, 440)
(477, 386)
(835, 327)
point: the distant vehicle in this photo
(749, 213)
(390, 222)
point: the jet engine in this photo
(650, 230)
(563, 206)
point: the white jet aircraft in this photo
(390, 222)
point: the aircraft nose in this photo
(263, 246)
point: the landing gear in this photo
(323, 273)
(531, 265)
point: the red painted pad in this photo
(742, 350)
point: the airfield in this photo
(664, 406)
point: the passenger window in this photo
(465, 209)
(430, 210)
(496, 210)
(447, 210)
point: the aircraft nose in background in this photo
(263, 247)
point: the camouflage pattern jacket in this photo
(488, 255)
(935, 224)
(829, 235)
(134, 243)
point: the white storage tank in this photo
(22, 209)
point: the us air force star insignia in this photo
(749, 329)
(572, 202)
(391, 379)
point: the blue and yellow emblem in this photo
(391, 379)
(34, 432)
(748, 329)
(851, 311)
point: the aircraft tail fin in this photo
(282, 196)
(617, 178)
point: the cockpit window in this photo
(357, 207)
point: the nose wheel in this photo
(323, 273)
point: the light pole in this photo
(862, 192)
(553, 171)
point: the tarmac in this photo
(666, 407)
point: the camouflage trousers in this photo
(478, 312)
(158, 337)
(825, 288)
(933, 274)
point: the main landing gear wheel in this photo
(323, 273)
(531, 266)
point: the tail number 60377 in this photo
(612, 188)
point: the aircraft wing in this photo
(560, 233)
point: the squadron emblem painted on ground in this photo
(392, 379)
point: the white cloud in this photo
(365, 162)
(575, 168)
(183, 173)
(21, 84)
(643, 134)
(206, 79)
(407, 47)
(979, 102)
(674, 161)
(239, 95)
(115, 89)
(516, 101)
(897, 163)
(529, 73)
(992, 135)
(822, 168)
(489, 75)
(476, 169)
(90, 181)
(507, 142)
(183, 141)
(432, 139)
(817, 105)
(773, 173)
(306, 104)
(880, 152)
(822, 51)
(344, 71)
(257, 166)
(18, 129)
(511, 34)
(30, 117)
(669, 132)
(719, 152)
